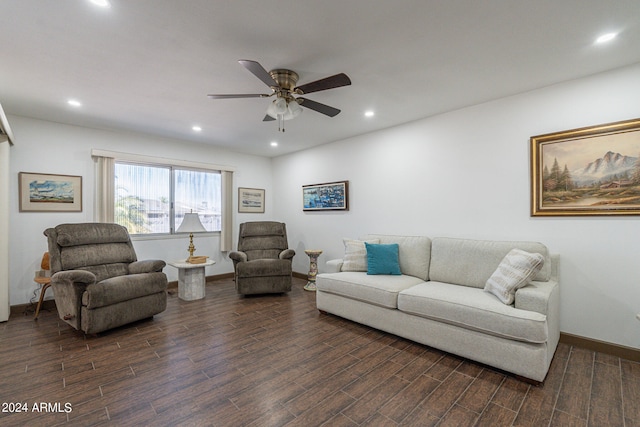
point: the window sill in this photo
(136, 237)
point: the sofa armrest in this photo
(334, 266)
(542, 297)
(537, 296)
(146, 266)
(287, 254)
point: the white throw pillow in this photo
(355, 254)
(515, 271)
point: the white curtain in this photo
(226, 232)
(105, 191)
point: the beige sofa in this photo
(439, 300)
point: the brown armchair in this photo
(262, 262)
(97, 281)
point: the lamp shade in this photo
(284, 110)
(280, 106)
(294, 108)
(191, 224)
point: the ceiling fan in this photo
(283, 86)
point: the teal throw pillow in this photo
(383, 259)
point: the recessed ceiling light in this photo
(74, 103)
(274, 144)
(369, 113)
(196, 128)
(606, 38)
(101, 3)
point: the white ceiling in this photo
(147, 65)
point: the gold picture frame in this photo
(587, 171)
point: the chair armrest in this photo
(238, 256)
(68, 288)
(73, 276)
(147, 266)
(334, 265)
(287, 254)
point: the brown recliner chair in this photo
(97, 282)
(262, 262)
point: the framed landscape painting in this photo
(332, 196)
(587, 171)
(40, 192)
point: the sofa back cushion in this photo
(355, 254)
(414, 253)
(471, 262)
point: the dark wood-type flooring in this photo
(273, 361)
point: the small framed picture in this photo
(250, 200)
(41, 192)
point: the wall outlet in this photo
(638, 316)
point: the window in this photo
(214, 203)
(152, 199)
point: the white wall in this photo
(466, 174)
(46, 147)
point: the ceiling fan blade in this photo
(268, 118)
(258, 71)
(331, 82)
(240, 95)
(320, 108)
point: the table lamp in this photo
(191, 224)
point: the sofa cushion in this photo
(414, 253)
(378, 290)
(471, 262)
(474, 309)
(382, 259)
(355, 254)
(515, 271)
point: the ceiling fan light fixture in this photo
(271, 110)
(280, 109)
(280, 106)
(294, 108)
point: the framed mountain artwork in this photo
(587, 171)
